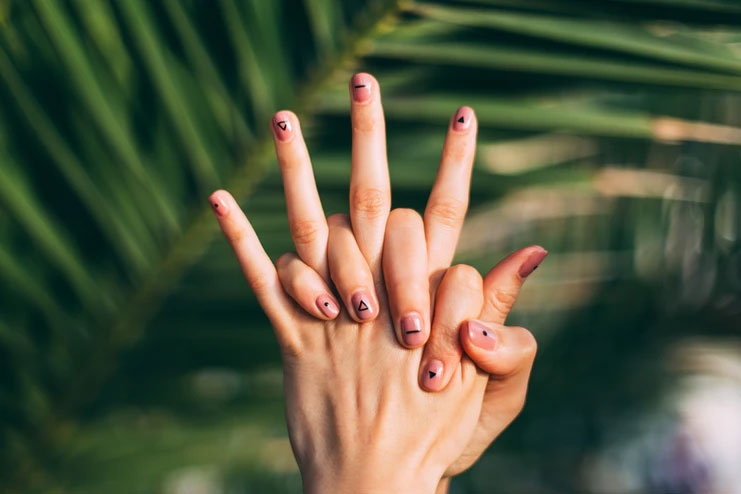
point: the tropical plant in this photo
(132, 356)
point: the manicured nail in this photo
(327, 306)
(463, 118)
(282, 126)
(361, 304)
(481, 336)
(360, 86)
(411, 329)
(218, 204)
(532, 262)
(432, 377)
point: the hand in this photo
(505, 353)
(357, 420)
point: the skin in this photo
(362, 415)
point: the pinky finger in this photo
(256, 266)
(306, 287)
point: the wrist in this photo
(380, 484)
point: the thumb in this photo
(499, 350)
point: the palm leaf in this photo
(118, 119)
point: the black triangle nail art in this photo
(362, 306)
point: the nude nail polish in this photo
(282, 126)
(362, 306)
(411, 329)
(360, 86)
(532, 262)
(433, 374)
(218, 204)
(463, 118)
(327, 306)
(481, 336)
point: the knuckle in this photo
(458, 152)
(284, 260)
(365, 120)
(465, 276)
(500, 300)
(529, 344)
(238, 235)
(370, 202)
(404, 218)
(449, 211)
(305, 232)
(291, 347)
(260, 284)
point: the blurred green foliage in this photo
(132, 356)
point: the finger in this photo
(448, 202)
(405, 274)
(257, 267)
(459, 296)
(499, 350)
(305, 214)
(306, 287)
(370, 191)
(507, 354)
(349, 271)
(502, 284)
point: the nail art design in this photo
(327, 306)
(361, 88)
(218, 204)
(411, 329)
(463, 118)
(361, 303)
(481, 336)
(431, 379)
(283, 127)
(532, 262)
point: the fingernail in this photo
(411, 330)
(463, 118)
(282, 126)
(432, 377)
(361, 304)
(481, 336)
(327, 306)
(218, 204)
(532, 262)
(361, 88)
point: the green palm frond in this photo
(118, 118)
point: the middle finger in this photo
(370, 190)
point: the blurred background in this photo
(133, 357)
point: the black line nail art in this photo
(414, 331)
(359, 86)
